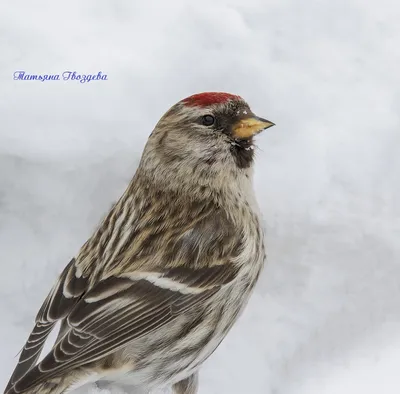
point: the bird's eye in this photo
(208, 120)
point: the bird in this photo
(168, 271)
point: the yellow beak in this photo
(246, 128)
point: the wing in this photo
(142, 276)
(120, 309)
(60, 301)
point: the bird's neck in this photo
(196, 181)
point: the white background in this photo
(325, 317)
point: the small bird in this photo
(154, 291)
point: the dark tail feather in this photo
(55, 386)
(31, 351)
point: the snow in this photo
(325, 317)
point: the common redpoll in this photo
(157, 287)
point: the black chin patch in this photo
(243, 152)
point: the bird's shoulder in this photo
(161, 231)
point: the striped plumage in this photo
(162, 280)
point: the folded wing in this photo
(121, 309)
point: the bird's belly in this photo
(176, 362)
(218, 324)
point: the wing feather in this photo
(120, 310)
(59, 302)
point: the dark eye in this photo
(208, 120)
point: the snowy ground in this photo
(326, 315)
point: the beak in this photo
(246, 128)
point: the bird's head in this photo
(204, 135)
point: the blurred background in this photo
(325, 317)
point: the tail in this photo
(52, 386)
(42, 388)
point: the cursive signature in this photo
(65, 76)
